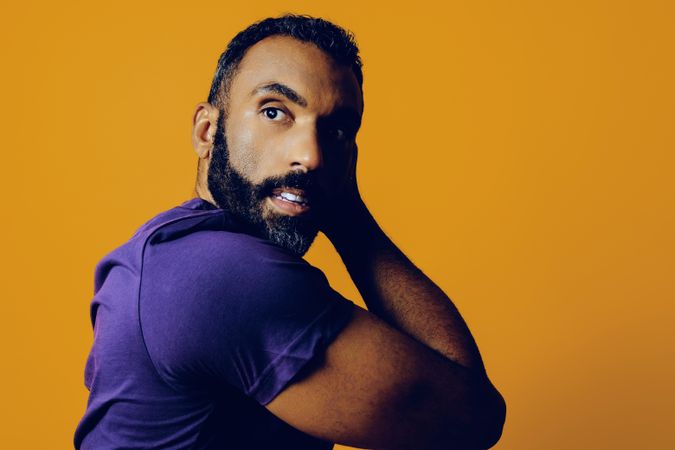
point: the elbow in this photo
(494, 426)
(487, 424)
(479, 425)
(472, 421)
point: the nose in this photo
(305, 151)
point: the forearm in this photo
(399, 293)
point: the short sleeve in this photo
(227, 308)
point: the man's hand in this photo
(344, 208)
(404, 374)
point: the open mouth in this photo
(297, 196)
(291, 201)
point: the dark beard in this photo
(244, 200)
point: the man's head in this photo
(338, 43)
(278, 132)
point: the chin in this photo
(291, 233)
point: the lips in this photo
(291, 201)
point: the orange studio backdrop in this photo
(521, 153)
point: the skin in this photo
(311, 135)
(406, 373)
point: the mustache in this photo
(308, 182)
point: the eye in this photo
(274, 114)
(339, 134)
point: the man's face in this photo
(285, 143)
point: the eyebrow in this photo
(349, 116)
(280, 89)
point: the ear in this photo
(204, 125)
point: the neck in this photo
(201, 189)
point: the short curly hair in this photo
(335, 41)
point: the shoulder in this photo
(183, 246)
(220, 269)
(225, 303)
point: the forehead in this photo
(301, 66)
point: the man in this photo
(211, 331)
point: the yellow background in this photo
(520, 152)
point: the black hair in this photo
(332, 39)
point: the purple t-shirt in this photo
(196, 327)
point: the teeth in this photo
(292, 197)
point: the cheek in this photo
(340, 170)
(260, 152)
(242, 146)
(343, 162)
